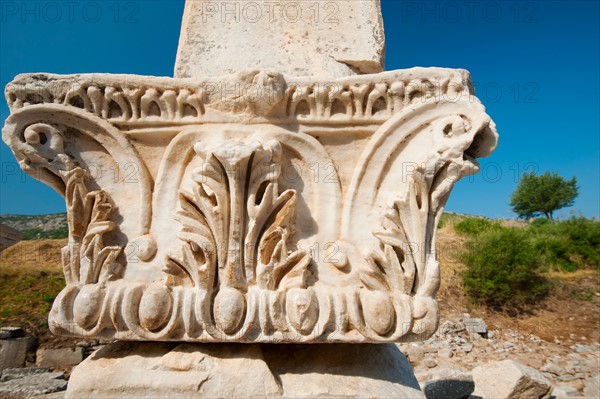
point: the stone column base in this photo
(175, 370)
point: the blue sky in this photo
(535, 65)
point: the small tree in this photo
(542, 195)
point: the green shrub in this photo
(584, 237)
(502, 269)
(540, 222)
(554, 252)
(476, 226)
(569, 245)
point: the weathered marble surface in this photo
(273, 192)
(305, 212)
(299, 38)
(294, 202)
(159, 370)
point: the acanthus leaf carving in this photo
(406, 259)
(198, 254)
(86, 258)
(236, 224)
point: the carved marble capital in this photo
(250, 208)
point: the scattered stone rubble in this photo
(31, 381)
(445, 365)
(26, 370)
(463, 360)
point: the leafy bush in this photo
(476, 226)
(553, 252)
(569, 245)
(539, 222)
(502, 269)
(504, 263)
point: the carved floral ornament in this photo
(224, 232)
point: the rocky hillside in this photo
(36, 227)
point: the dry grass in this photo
(36, 255)
(451, 296)
(30, 278)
